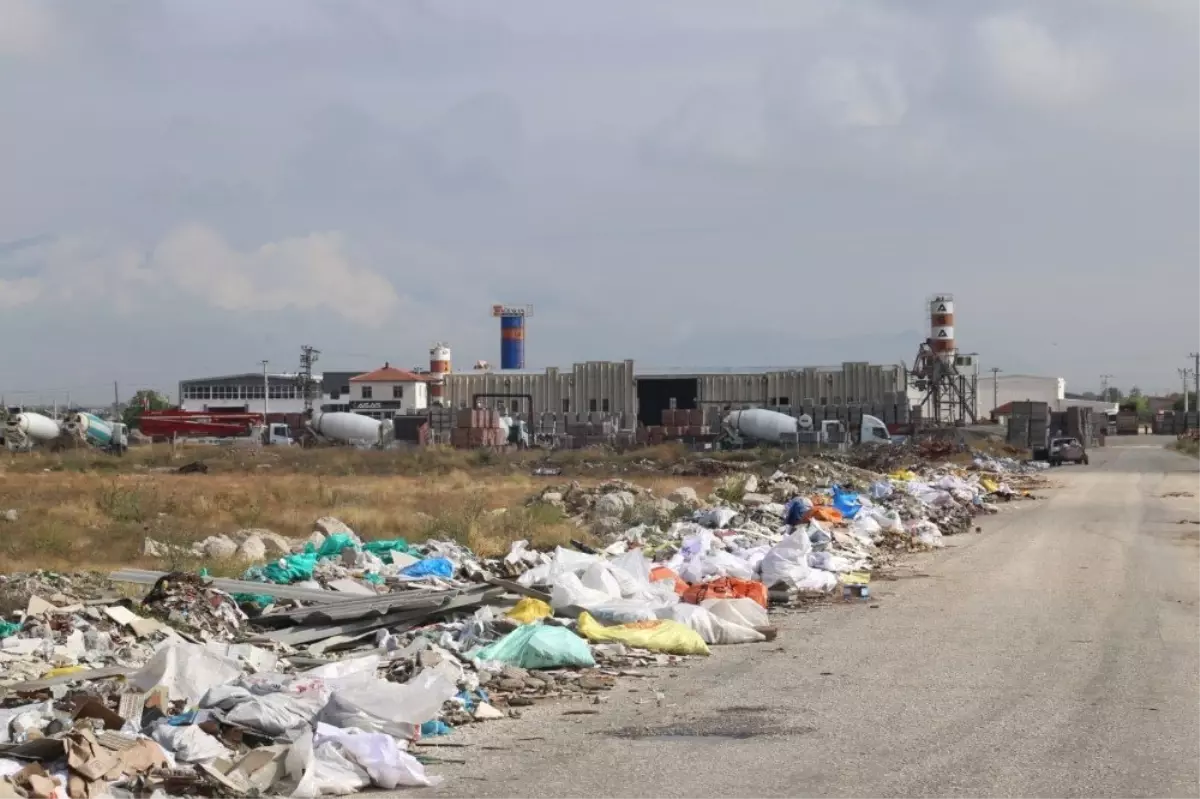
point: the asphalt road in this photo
(1055, 654)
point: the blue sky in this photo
(191, 187)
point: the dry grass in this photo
(82, 510)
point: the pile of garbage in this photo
(332, 663)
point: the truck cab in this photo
(278, 433)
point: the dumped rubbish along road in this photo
(1054, 655)
(337, 664)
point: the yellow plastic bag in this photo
(989, 485)
(529, 610)
(657, 635)
(903, 475)
(62, 671)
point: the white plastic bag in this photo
(927, 533)
(275, 714)
(322, 770)
(817, 581)
(787, 561)
(742, 610)
(830, 562)
(381, 756)
(713, 629)
(189, 744)
(187, 670)
(599, 577)
(382, 706)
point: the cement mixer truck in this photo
(773, 427)
(26, 429)
(87, 428)
(351, 428)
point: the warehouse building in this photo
(617, 388)
(609, 388)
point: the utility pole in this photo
(996, 370)
(266, 389)
(116, 401)
(1185, 373)
(1104, 386)
(1195, 374)
(308, 356)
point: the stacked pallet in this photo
(677, 423)
(477, 427)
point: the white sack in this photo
(742, 610)
(787, 561)
(712, 629)
(385, 762)
(382, 706)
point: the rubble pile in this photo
(331, 663)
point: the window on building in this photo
(566, 405)
(516, 405)
(397, 391)
(344, 390)
(824, 401)
(780, 401)
(367, 393)
(592, 405)
(604, 405)
(256, 392)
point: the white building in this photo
(998, 391)
(388, 391)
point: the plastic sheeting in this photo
(381, 706)
(431, 567)
(187, 670)
(539, 646)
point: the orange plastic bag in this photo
(726, 588)
(663, 573)
(823, 513)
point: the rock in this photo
(485, 712)
(275, 544)
(664, 508)
(11, 515)
(520, 701)
(684, 495)
(219, 547)
(252, 549)
(514, 673)
(153, 549)
(613, 505)
(751, 485)
(607, 527)
(552, 498)
(316, 539)
(508, 684)
(754, 500)
(331, 526)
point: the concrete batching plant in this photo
(939, 373)
(512, 334)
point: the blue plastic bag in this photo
(847, 502)
(431, 567)
(793, 512)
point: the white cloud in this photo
(307, 272)
(1026, 62)
(22, 291)
(26, 27)
(848, 93)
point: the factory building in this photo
(999, 390)
(609, 388)
(616, 387)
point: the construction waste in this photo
(329, 667)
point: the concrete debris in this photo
(332, 658)
(11, 515)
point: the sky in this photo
(192, 187)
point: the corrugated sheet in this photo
(144, 577)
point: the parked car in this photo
(1067, 450)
